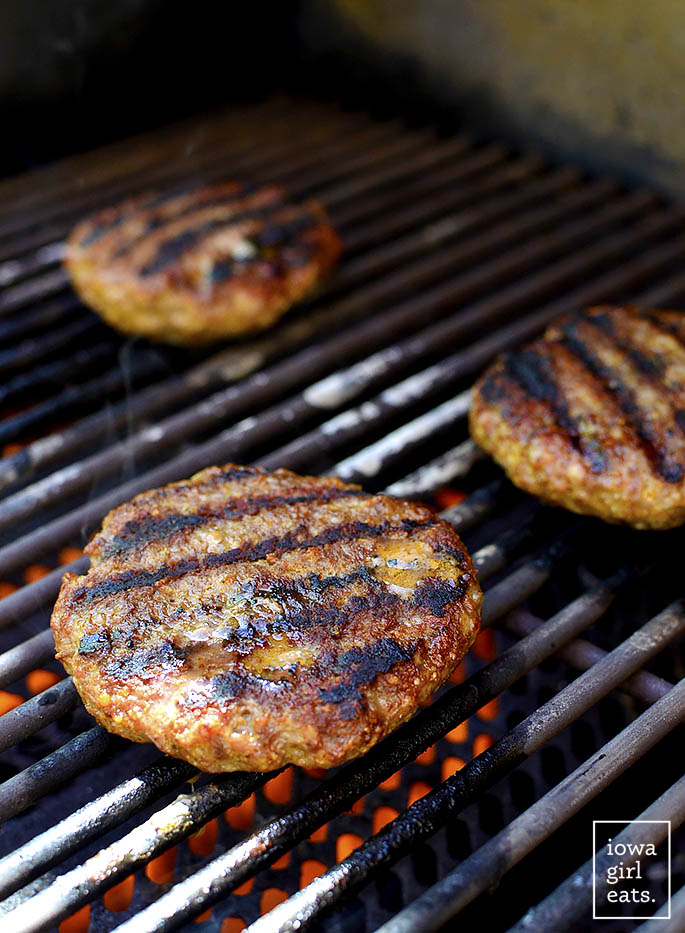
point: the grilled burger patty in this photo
(192, 267)
(244, 620)
(592, 416)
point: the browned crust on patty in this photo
(592, 415)
(192, 267)
(245, 620)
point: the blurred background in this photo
(599, 82)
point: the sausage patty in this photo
(592, 415)
(192, 267)
(244, 620)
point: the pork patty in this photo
(245, 620)
(592, 415)
(192, 267)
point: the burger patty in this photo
(245, 620)
(192, 267)
(592, 415)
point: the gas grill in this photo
(569, 708)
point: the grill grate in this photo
(454, 251)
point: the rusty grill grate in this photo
(454, 250)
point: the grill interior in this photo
(455, 249)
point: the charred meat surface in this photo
(592, 415)
(244, 620)
(193, 267)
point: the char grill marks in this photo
(533, 372)
(247, 552)
(308, 602)
(140, 531)
(154, 233)
(632, 364)
(241, 583)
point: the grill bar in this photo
(288, 165)
(18, 724)
(289, 414)
(489, 560)
(45, 315)
(24, 601)
(294, 172)
(155, 153)
(573, 899)
(53, 374)
(26, 656)
(38, 779)
(26, 862)
(97, 171)
(486, 866)
(46, 707)
(69, 400)
(18, 604)
(479, 237)
(389, 288)
(427, 814)
(582, 654)
(29, 351)
(261, 146)
(335, 154)
(442, 471)
(352, 781)
(178, 819)
(219, 369)
(230, 869)
(659, 921)
(91, 821)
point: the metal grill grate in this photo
(454, 250)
